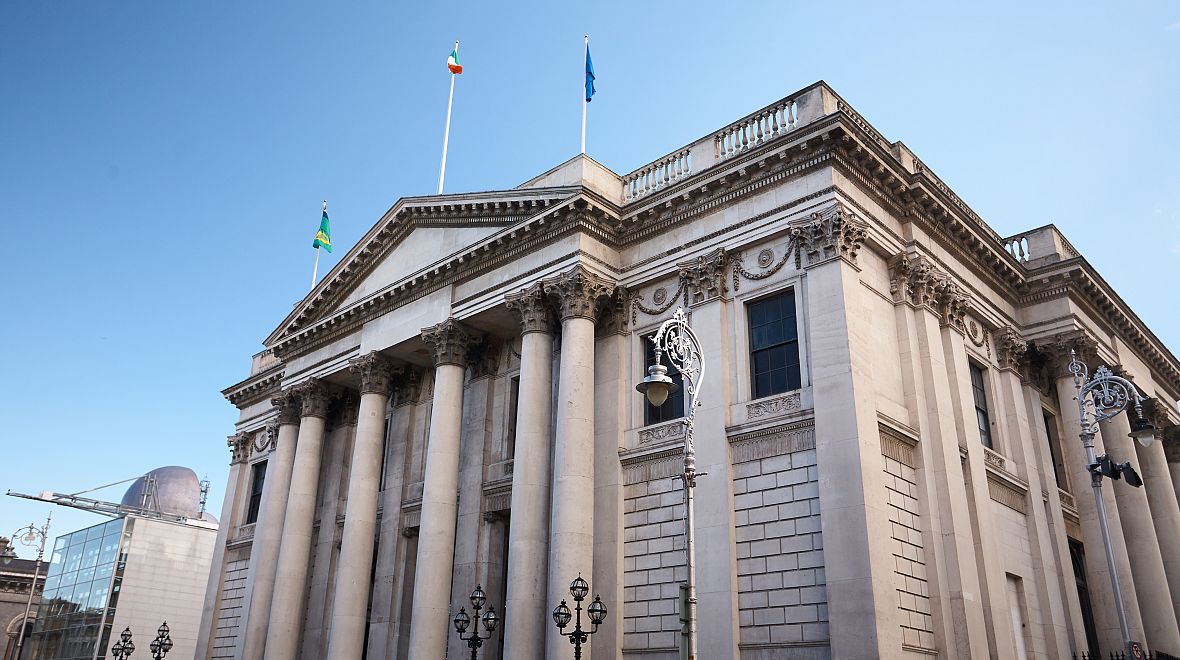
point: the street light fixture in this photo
(30, 535)
(596, 612)
(1100, 398)
(676, 339)
(462, 620)
(162, 644)
(123, 648)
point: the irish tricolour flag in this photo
(453, 61)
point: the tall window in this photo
(671, 409)
(384, 452)
(774, 345)
(1077, 555)
(981, 413)
(510, 431)
(258, 478)
(1055, 449)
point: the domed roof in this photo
(178, 491)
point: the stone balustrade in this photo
(755, 129)
(1039, 246)
(657, 175)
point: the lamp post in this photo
(1100, 398)
(30, 535)
(162, 644)
(596, 611)
(462, 620)
(676, 339)
(123, 648)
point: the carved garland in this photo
(764, 259)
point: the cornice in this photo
(256, 388)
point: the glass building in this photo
(82, 592)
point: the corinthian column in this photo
(571, 527)
(440, 502)
(347, 634)
(264, 550)
(290, 587)
(528, 532)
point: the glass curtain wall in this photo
(81, 592)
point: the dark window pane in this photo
(259, 478)
(774, 346)
(673, 408)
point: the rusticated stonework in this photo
(1011, 349)
(578, 292)
(450, 341)
(375, 371)
(314, 399)
(288, 406)
(704, 276)
(826, 235)
(532, 308)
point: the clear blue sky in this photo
(162, 164)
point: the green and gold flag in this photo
(323, 237)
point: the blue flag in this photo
(589, 75)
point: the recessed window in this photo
(774, 345)
(982, 417)
(256, 483)
(510, 431)
(673, 407)
(1055, 450)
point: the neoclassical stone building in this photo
(887, 426)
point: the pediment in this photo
(414, 235)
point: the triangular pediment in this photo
(417, 236)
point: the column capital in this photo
(239, 447)
(1011, 349)
(450, 341)
(577, 292)
(287, 403)
(1056, 351)
(705, 275)
(348, 408)
(833, 233)
(376, 373)
(313, 397)
(532, 309)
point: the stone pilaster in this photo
(528, 532)
(239, 447)
(449, 342)
(290, 586)
(347, 632)
(578, 294)
(830, 234)
(268, 530)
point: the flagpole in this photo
(315, 269)
(442, 171)
(585, 53)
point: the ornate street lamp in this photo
(162, 644)
(579, 589)
(676, 339)
(30, 535)
(462, 620)
(123, 648)
(1101, 398)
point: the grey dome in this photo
(178, 491)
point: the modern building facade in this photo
(886, 422)
(135, 571)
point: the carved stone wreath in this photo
(765, 257)
(659, 296)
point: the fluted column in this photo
(1165, 510)
(526, 608)
(1143, 546)
(346, 636)
(571, 528)
(290, 586)
(268, 530)
(436, 536)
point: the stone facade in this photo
(889, 464)
(16, 578)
